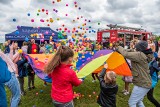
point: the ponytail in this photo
(62, 54)
(54, 62)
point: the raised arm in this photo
(133, 56)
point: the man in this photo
(33, 48)
(106, 44)
(5, 76)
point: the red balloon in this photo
(43, 10)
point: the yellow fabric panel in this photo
(92, 66)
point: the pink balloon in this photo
(46, 32)
(69, 31)
(66, 14)
(32, 20)
(53, 34)
(42, 20)
(66, 4)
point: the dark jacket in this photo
(21, 68)
(140, 68)
(107, 96)
(30, 49)
(156, 46)
(7, 49)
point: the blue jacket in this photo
(21, 68)
(5, 74)
(154, 69)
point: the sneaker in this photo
(23, 93)
(94, 81)
(126, 93)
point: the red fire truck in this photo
(126, 34)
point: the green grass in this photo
(87, 88)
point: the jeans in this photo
(58, 104)
(151, 98)
(137, 96)
(3, 100)
(21, 82)
(14, 87)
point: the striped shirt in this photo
(7, 59)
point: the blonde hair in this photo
(110, 77)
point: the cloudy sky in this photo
(133, 13)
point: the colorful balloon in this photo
(41, 20)
(28, 14)
(14, 20)
(32, 20)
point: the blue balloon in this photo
(85, 36)
(26, 39)
(28, 14)
(90, 27)
(17, 32)
(14, 20)
(47, 46)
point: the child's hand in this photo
(106, 65)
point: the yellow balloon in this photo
(111, 44)
(20, 51)
(35, 50)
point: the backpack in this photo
(153, 73)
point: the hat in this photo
(141, 46)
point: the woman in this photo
(24, 47)
(140, 71)
(151, 45)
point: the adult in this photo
(5, 76)
(33, 48)
(156, 43)
(106, 44)
(6, 44)
(24, 47)
(140, 71)
(151, 45)
(13, 83)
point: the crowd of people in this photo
(144, 58)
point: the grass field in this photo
(87, 88)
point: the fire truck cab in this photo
(126, 34)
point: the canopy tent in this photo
(24, 32)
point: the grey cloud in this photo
(122, 4)
(6, 1)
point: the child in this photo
(109, 89)
(22, 73)
(31, 77)
(63, 77)
(154, 69)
